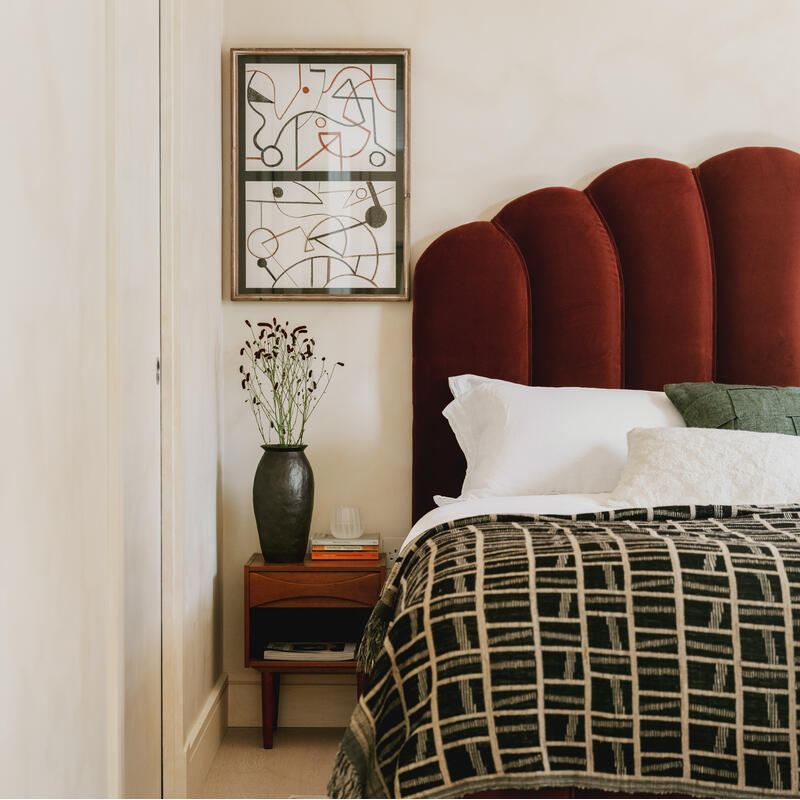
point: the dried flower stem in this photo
(284, 379)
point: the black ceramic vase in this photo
(283, 498)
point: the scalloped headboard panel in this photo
(656, 273)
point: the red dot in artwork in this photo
(305, 90)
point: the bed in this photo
(493, 667)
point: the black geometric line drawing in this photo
(336, 118)
(321, 170)
(326, 245)
(375, 215)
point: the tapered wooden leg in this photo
(276, 696)
(267, 708)
(361, 680)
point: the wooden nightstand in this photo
(308, 601)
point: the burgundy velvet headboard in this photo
(656, 273)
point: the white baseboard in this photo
(206, 736)
(306, 701)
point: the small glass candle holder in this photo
(346, 522)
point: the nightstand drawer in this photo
(299, 589)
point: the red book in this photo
(328, 555)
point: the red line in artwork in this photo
(325, 147)
(340, 155)
(337, 137)
(356, 152)
(363, 146)
(275, 91)
(283, 233)
(364, 199)
(370, 79)
(343, 69)
(313, 155)
(377, 96)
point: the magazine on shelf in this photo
(309, 651)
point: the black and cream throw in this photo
(653, 651)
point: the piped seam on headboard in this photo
(623, 328)
(528, 281)
(713, 261)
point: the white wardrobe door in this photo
(136, 193)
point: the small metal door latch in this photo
(158, 371)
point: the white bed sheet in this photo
(528, 504)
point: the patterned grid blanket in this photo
(652, 650)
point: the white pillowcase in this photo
(461, 384)
(707, 466)
(525, 440)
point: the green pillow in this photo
(768, 409)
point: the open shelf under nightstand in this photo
(302, 602)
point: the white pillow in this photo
(707, 466)
(524, 440)
(461, 384)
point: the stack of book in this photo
(328, 548)
(309, 651)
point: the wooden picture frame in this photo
(320, 172)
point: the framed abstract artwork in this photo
(320, 174)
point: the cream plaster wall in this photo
(506, 97)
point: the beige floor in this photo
(299, 764)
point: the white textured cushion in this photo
(706, 466)
(525, 440)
